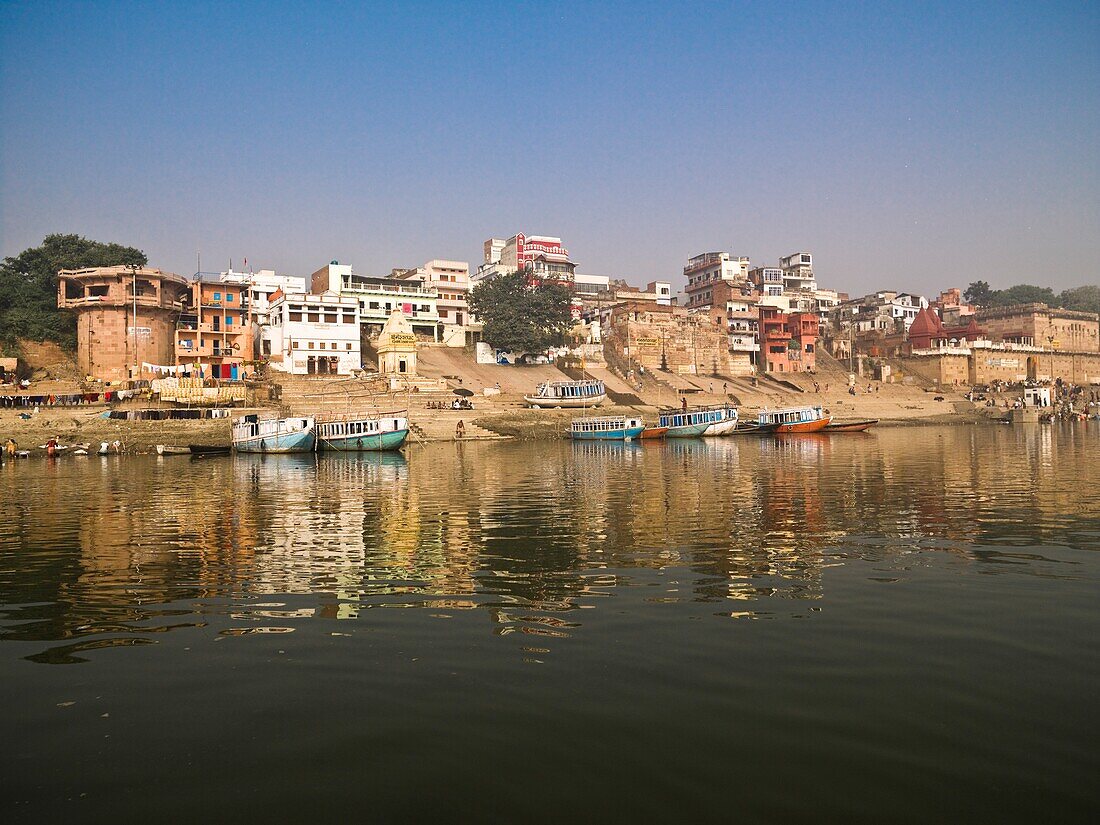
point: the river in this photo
(898, 626)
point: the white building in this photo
(261, 285)
(378, 297)
(313, 334)
(544, 255)
(451, 281)
(590, 285)
(798, 272)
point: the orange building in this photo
(214, 333)
(788, 341)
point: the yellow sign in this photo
(647, 342)
(402, 338)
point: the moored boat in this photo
(373, 433)
(209, 449)
(653, 432)
(606, 428)
(692, 422)
(793, 420)
(587, 393)
(726, 425)
(168, 449)
(850, 426)
(251, 434)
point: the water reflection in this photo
(108, 552)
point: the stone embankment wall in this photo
(983, 366)
(659, 339)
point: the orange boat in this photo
(793, 420)
(654, 432)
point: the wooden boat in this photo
(793, 420)
(587, 393)
(382, 431)
(694, 421)
(727, 425)
(207, 449)
(653, 432)
(850, 426)
(168, 449)
(251, 434)
(608, 428)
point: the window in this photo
(311, 345)
(229, 296)
(229, 320)
(348, 346)
(294, 345)
(295, 316)
(349, 318)
(322, 345)
(315, 317)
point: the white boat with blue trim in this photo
(587, 393)
(251, 434)
(375, 433)
(697, 421)
(606, 428)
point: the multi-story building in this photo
(451, 281)
(1039, 325)
(542, 255)
(214, 330)
(590, 286)
(311, 334)
(798, 272)
(125, 316)
(378, 297)
(788, 341)
(703, 271)
(261, 285)
(768, 280)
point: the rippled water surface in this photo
(896, 626)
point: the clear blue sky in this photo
(910, 145)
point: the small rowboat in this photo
(654, 432)
(167, 449)
(203, 449)
(850, 426)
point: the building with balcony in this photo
(214, 330)
(261, 285)
(767, 280)
(705, 270)
(124, 317)
(788, 341)
(543, 255)
(798, 272)
(451, 281)
(313, 334)
(378, 297)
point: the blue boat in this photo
(608, 428)
(251, 434)
(690, 423)
(385, 431)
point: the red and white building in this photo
(543, 255)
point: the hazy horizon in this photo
(907, 148)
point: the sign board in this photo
(141, 332)
(647, 342)
(402, 338)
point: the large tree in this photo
(28, 286)
(1083, 298)
(978, 293)
(521, 313)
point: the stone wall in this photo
(105, 344)
(664, 338)
(983, 366)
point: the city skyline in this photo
(907, 149)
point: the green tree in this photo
(521, 313)
(28, 286)
(978, 293)
(1024, 294)
(1082, 298)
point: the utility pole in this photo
(134, 271)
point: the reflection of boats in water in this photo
(273, 435)
(793, 420)
(587, 393)
(850, 426)
(383, 431)
(606, 428)
(695, 421)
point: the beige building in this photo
(124, 317)
(397, 347)
(1037, 325)
(657, 337)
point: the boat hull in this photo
(204, 449)
(851, 426)
(296, 442)
(722, 428)
(623, 434)
(653, 432)
(565, 403)
(801, 426)
(375, 442)
(688, 430)
(166, 449)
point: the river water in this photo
(897, 626)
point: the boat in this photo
(793, 420)
(653, 432)
(208, 449)
(587, 393)
(607, 428)
(727, 425)
(168, 449)
(382, 431)
(251, 434)
(850, 426)
(695, 421)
